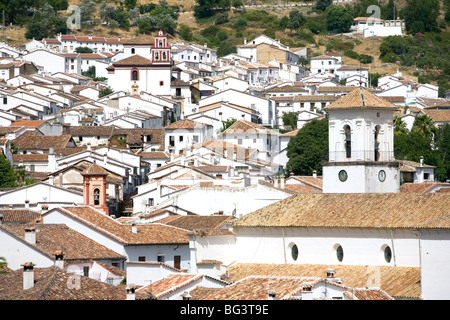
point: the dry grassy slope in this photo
(15, 35)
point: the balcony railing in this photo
(361, 155)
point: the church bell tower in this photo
(94, 187)
(361, 145)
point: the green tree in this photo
(87, 9)
(296, 20)
(339, 19)
(185, 32)
(146, 25)
(83, 50)
(106, 12)
(8, 176)
(226, 47)
(228, 123)
(425, 125)
(105, 91)
(323, 4)
(3, 265)
(237, 4)
(130, 4)
(290, 119)
(421, 15)
(309, 148)
(443, 147)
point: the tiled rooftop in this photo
(146, 234)
(398, 282)
(360, 98)
(389, 210)
(53, 237)
(51, 284)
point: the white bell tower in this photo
(361, 145)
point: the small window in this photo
(86, 271)
(339, 253)
(387, 254)
(134, 75)
(133, 51)
(181, 138)
(142, 259)
(294, 252)
(161, 83)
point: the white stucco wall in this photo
(317, 246)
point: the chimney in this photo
(131, 292)
(195, 162)
(59, 259)
(88, 146)
(134, 228)
(421, 161)
(27, 204)
(275, 182)
(28, 275)
(306, 292)
(330, 274)
(30, 235)
(282, 180)
(315, 174)
(272, 295)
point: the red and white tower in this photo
(161, 50)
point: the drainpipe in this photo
(393, 249)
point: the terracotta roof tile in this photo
(94, 170)
(360, 98)
(76, 246)
(185, 124)
(398, 282)
(19, 216)
(51, 284)
(135, 60)
(146, 234)
(29, 140)
(388, 210)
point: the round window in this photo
(294, 252)
(340, 253)
(382, 175)
(343, 175)
(387, 254)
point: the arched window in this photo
(96, 196)
(164, 56)
(133, 51)
(156, 55)
(376, 143)
(348, 141)
(134, 75)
